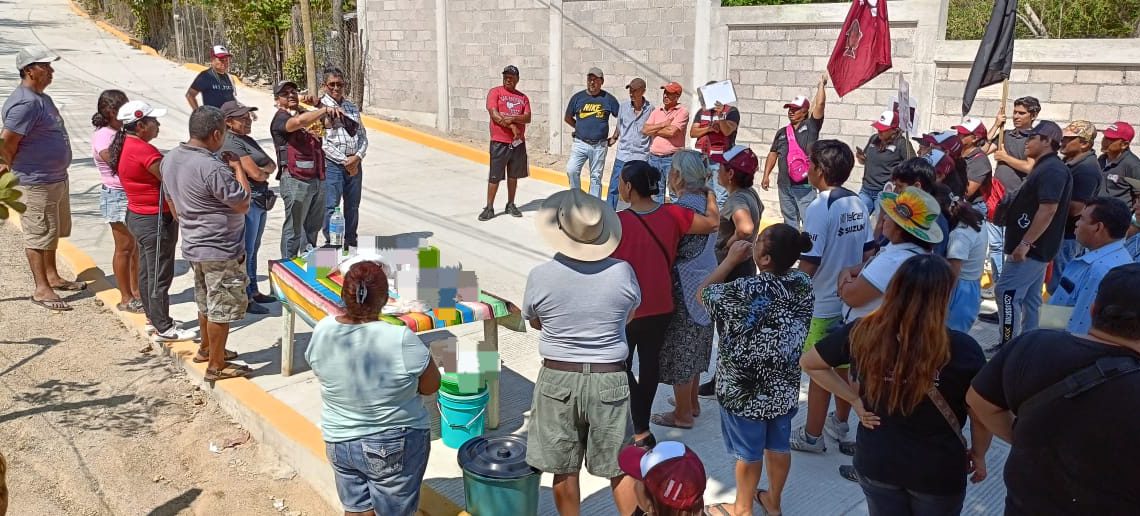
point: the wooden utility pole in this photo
(310, 58)
(336, 35)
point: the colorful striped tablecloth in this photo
(314, 298)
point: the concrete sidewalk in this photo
(409, 188)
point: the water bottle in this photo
(336, 228)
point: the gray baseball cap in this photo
(596, 72)
(32, 55)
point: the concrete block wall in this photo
(484, 36)
(401, 57)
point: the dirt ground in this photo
(92, 426)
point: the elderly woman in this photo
(372, 373)
(689, 334)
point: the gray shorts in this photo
(575, 416)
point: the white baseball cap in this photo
(220, 51)
(887, 121)
(34, 54)
(971, 125)
(800, 102)
(136, 110)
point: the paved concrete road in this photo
(408, 189)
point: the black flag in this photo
(995, 54)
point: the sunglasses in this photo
(335, 84)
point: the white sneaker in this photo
(836, 429)
(150, 329)
(801, 442)
(175, 334)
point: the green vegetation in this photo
(1055, 19)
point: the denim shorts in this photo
(746, 439)
(381, 472)
(113, 205)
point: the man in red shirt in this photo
(714, 127)
(510, 112)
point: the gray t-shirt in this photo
(743, 199)
(880, 163)
(806, 136)
(1015, 147)
(631, 144)
(44, 153)
(205, 193)
(583, 307)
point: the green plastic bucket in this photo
(496, 478)
(461, 416)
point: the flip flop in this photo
(717, 510)
(57, 305)
(764, 510)
(200, 358)
(71, 286)
(227, 372)
(661, 420)
(673, 401)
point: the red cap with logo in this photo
(887, 121)
(672, 473)
(1120, 131)
(800, 102)
(739, 159)
(972, 126)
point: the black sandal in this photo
(647, 442)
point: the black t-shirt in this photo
(879, 164)
(714, 140)
(1015, 147)
(806, 136)
(919, 452)
(243, 145)
(215, 89)
(280, 136)
(1071, 456)
(979, 170)
(1050, 182)
(1086, 185)
(1127, 166)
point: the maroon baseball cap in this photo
(800, 102)
(887, 120)
(739, 158)
(1120, 131)
(971, 125)
(672, 473)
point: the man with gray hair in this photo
(35, 147)
(345, 143)
(211, 199)
(632, 145)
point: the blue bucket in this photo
(461, 417)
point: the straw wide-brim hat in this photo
(579, 225)
(915, 211)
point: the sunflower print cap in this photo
(915, 211)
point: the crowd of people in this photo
(870, 293)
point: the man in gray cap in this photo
(589, 112)
(36, 149)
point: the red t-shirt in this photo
(508, 104)
(141, 187)
(669, 223)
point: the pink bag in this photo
(798, 163)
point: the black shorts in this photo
(507, 162)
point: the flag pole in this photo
(1004, 98)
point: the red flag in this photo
(863, 50)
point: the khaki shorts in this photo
(48, 218)
(219, 289)
(575, 416)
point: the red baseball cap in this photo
(219, 51)
(887, 121)
(949, 141)
(800, 102)
(672, 473)
(1120, 131)
(739, 158)
(971, 125)
(672, 88)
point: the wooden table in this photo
(303, 294)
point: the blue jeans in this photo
(870, 199)
(663, 164)
(254, 229)
(794, 201)
(339, 184)
(714, 185)
(612, 197)
(997, 251)
(580, 153)
(891, 500)
(1018, 295)
(381, 472)
(1069, 250)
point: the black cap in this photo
(511, 70)
(1049, 129)
(281, 85)
(1115, 310)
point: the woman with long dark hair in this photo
(113, 200)
(150, 218)
(912, 377)
(372, 373)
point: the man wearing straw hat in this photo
(581, 301)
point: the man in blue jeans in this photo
(589, 112)
(1035, 226)
(806, 120)
(345, 144)
(632, 145)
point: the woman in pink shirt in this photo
(113, 201)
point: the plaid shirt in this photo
(338, 144)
